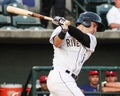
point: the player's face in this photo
(94, 79)
(92, 29)
(111, 78)
(44, 86)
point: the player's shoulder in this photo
(91, 36)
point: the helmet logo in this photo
(86, 22)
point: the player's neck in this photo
(93, 85)
(82, 28)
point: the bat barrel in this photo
(19, 11)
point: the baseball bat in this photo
(25, 12)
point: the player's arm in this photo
(114, 25)
(113, 84)
(110, 89)
(58, 39)
(76, 33)
(80, 36)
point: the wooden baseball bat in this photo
(25, 12)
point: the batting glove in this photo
(59, 20)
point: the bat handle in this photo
(68, 23)
(37, 15)
(48, 18)
(42, 17)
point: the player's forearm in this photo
(108, 89)
(57, 41)
(115, 84)
(114, 25)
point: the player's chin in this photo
(95, 83)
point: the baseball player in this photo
(43, 85)
(92, 85)
(72, 47)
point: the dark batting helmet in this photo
(87, 17)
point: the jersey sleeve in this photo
(55, 32)
(93, 42)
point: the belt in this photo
(73, 75)
(67, 71)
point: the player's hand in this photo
(59, 20)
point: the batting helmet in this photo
(87, 17)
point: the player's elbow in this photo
(56, 45)
(57, 42)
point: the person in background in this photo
(92, 86)
(111, 84)
(46, 5)
(43, 84)
(113, 16)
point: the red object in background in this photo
(12, 89)
(111, 73)
(43, 79)
(93, 72)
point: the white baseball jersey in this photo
(72, 54)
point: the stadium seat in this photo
(0, 9)
(103, 8)
(90, 5)
(25, 21)
(4, 11)
(4, 20)
(4, 7)
(102, 11)
(111, 2)
(8, 28)
(35, 28)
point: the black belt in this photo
(73, 75)
(67, 71)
